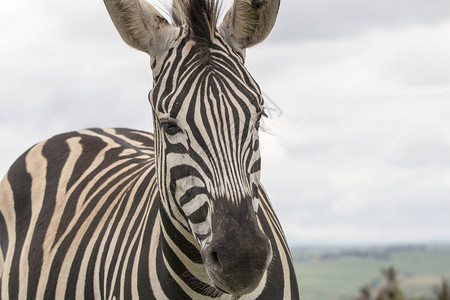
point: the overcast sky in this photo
(361, 153)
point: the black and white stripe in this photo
(123, 214)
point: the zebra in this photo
(179, 214)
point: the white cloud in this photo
(366, 134)
(305, 20)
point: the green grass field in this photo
(329, 274)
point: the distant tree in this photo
(364, 294)
(442, 292)
(391, 290)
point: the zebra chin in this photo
(238, 283)
(238, 269)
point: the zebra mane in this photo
(201, 18)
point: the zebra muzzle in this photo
(238, 266)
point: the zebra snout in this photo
(236, 265)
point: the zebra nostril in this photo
(215, 260)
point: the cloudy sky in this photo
(361, 152)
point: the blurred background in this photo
(358, 162)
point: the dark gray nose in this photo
(238, 261)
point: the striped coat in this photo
(102, 237)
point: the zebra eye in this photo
(258, 122)
(170, 127)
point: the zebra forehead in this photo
(211, 92)
(186, 78)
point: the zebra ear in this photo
(140, 25)
(249, 22)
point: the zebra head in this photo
(206, 109)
